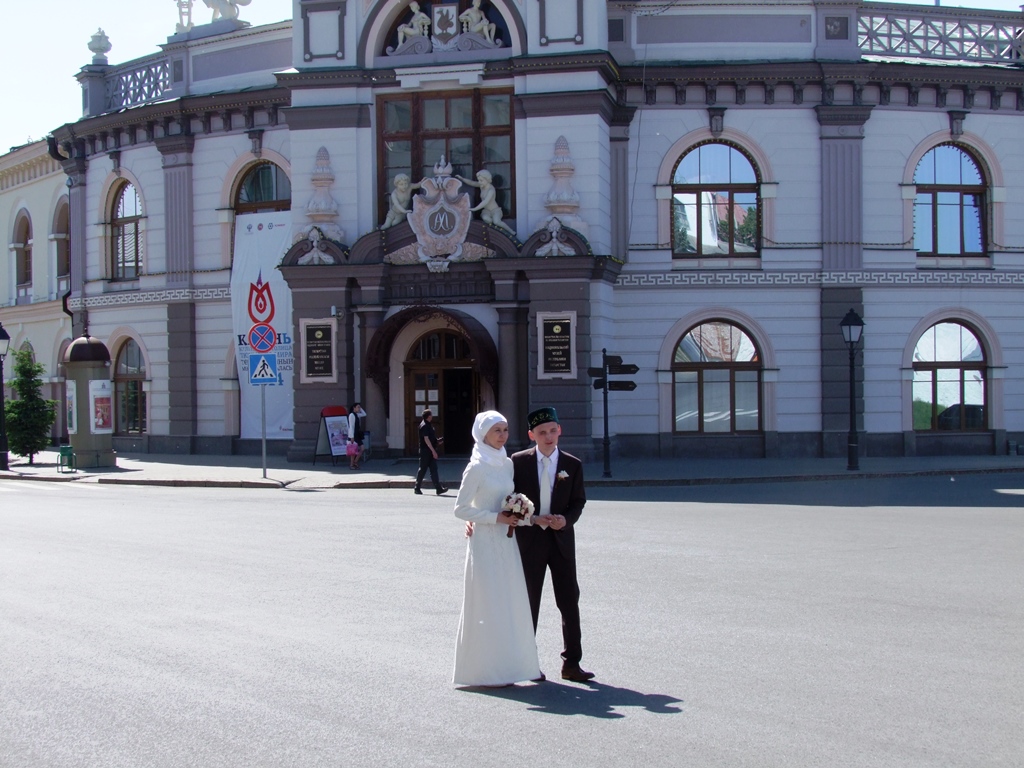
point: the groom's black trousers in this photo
(542, 552)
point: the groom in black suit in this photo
(553, 546)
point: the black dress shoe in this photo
(417, 491)
(540, 679)
(576, 674)
(442, 491)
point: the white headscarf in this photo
(482, 452)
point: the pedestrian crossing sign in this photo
(263, 368)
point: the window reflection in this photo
(717, 380)
(715, 208)
(949, 379)
(948, 206)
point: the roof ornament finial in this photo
(100, 46)
(184, 16)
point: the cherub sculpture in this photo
(474, 20)
(490, 211)
(417, 26)
(401, 196)
(225, 9)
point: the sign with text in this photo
(556, 333)
(318, 351)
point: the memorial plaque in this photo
(318, 351)
(557, 346)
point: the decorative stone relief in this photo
(440, 218)
(321, 210)
(415, 37)
(562, 201)
(556, 243)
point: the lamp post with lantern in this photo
(853, 328)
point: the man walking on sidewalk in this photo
(428, 454)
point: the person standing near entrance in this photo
(553, 480)
(429, 443)
(356, 432)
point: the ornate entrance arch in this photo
(457, 377)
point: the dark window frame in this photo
(964, 191)
(716, 188)
(274, 203)
(756, 365)
(130, 391)
(417, 135)
(933, 367)
(126, 247)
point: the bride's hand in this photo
(505, 518)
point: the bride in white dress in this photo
(496, 645)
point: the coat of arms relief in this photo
(445, 29)
(440, 218)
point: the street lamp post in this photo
(852, 327)
(5, 344)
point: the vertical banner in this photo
(261, 310)
(71, 404)
(101, 407)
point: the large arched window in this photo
(949, 379)
(716, 372)
(950, 203)
(126, 233)
(715, 205)
(129, 391)
(23, 257)
(265, 187)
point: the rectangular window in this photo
(473, 130)
(717, 401)
(748, 418)
(922, 400)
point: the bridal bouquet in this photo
(519, 507)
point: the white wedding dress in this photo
(496, 643)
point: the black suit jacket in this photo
(567, 498)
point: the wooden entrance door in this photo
(441, 375)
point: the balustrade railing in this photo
(139, 82)
(952, 34)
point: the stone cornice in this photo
(569, 103)
(340, 116)
(187, 108)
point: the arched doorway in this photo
(441, 374)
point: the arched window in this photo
(948, 209)
(717, 380)
(949, 379)
(715, 204)
(265, 187)
(126, 234)
(129, 393)
(62, 241)
(23, 257)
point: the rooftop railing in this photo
(141, 81)
(949, 34)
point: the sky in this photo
(45, 47)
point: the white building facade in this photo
(711, 223)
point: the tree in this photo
(29, 417)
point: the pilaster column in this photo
(178, 205)
(512, 334)
(842, 186)
(75, 168)
(374, 399)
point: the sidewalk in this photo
(247, 471)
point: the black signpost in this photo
(611, 365)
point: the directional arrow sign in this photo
(621, 386)
(599, 383)
(623, 370)
(611, 360)
(595, 371)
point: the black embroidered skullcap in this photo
(541, 416)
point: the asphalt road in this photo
(874, 623)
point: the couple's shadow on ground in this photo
(592, 699)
